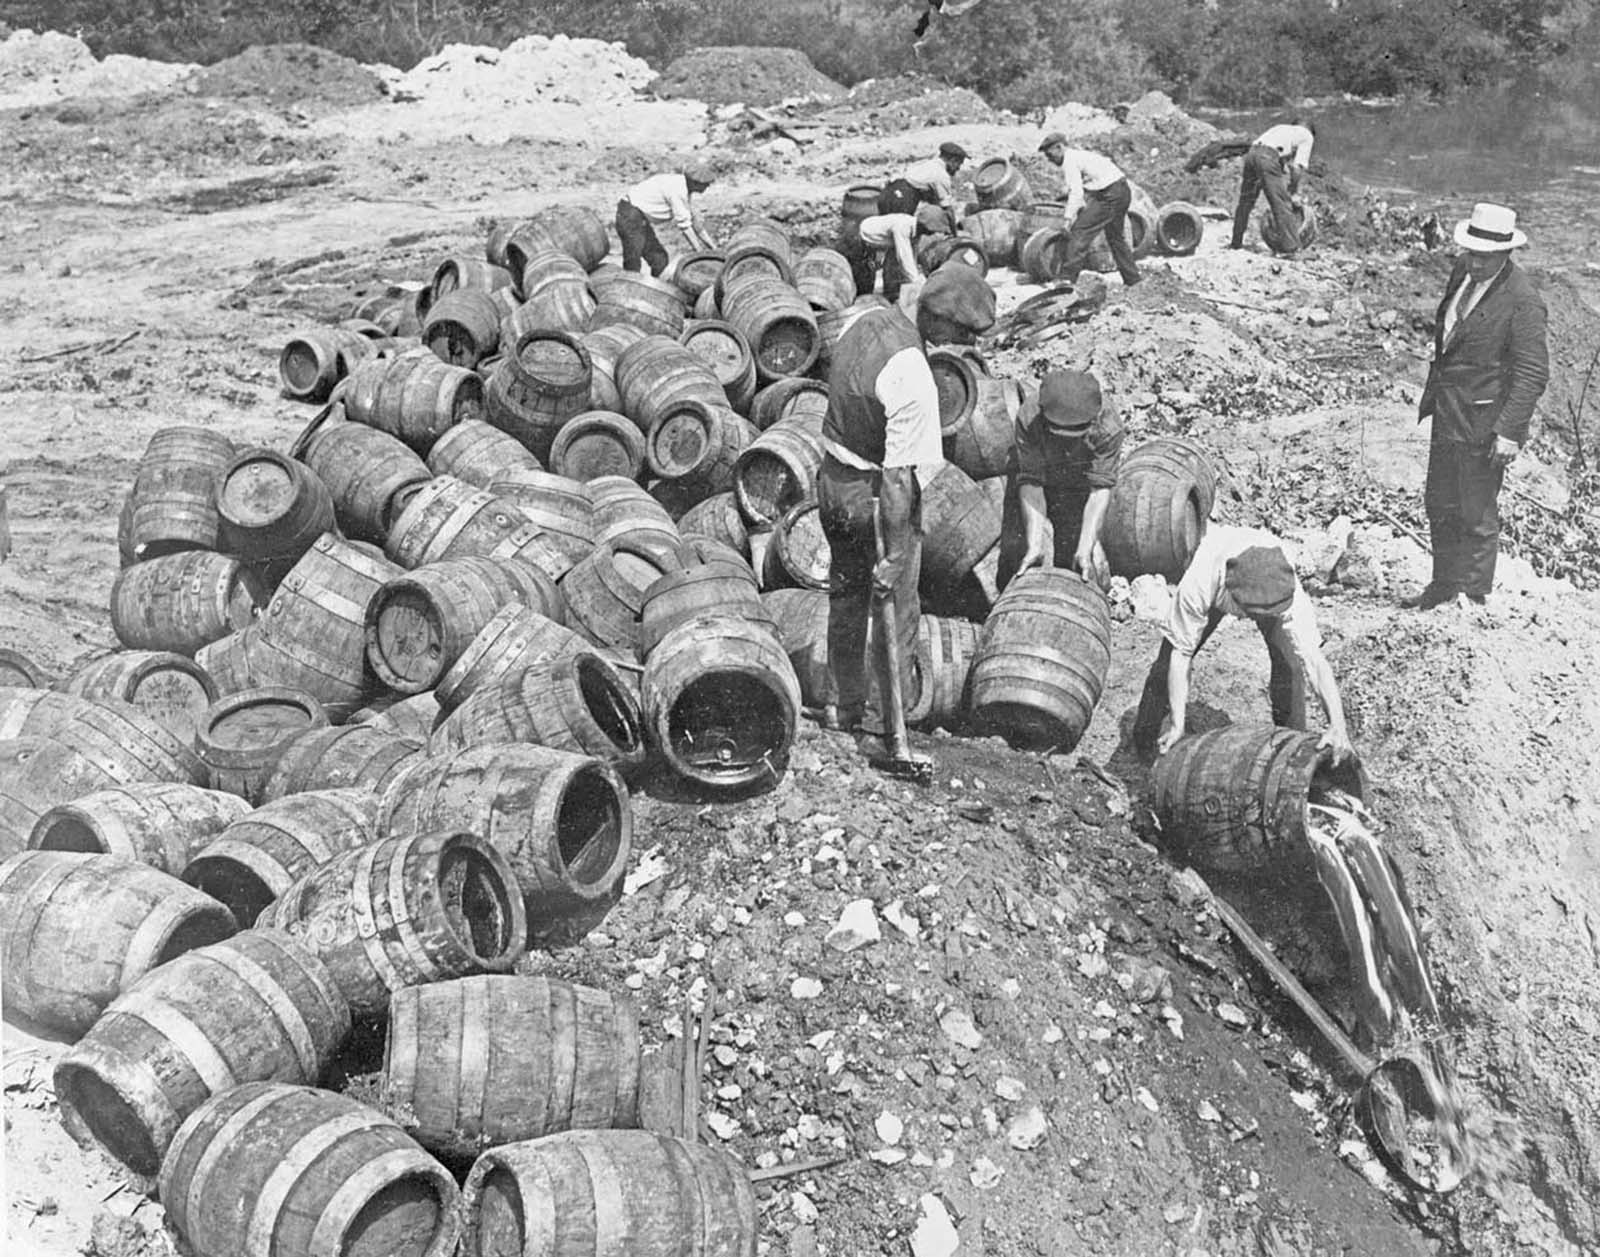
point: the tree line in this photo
(1019, 54)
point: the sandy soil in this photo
(149, 284)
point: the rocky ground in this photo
(1052, 1047)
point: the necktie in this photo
(1463, 303)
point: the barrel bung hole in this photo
(400, 1220)
(111, 1119)
(475, 902)
(501, 1221)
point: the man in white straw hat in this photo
(1490, 365)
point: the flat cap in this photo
(1069, 401)
(700, 171)
(1055, 137)
(951, 149)
(959, 295)
(933, 219)
(1260, 581)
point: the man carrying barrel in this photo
(881, 442)
(929, 182)
(1098, 197)
(1241, 572)
(891, 240)
(1274, 165)
(1064, 466)
(661, 201)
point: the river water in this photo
(1533, 144)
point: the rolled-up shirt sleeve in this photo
(1192, 606)
(910, 401)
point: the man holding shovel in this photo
(881, 440)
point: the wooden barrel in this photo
(718, 586)
(414, 397)
(36, 776)
(406, 910)
(272, 509)
(309, 364)
(259, 856)
(1142, 215)
(1001, 185)
(624, 510)
(574, 229)
(183, 601)
(542, 383)
(957, 371)
(448, 518)
(1038, 216)
(660, 1196)
(721, 701)
(1233, 800)
(562, 820)
(456, 274)
(18, 670)
(256, 1007)
(77, 930)
(860, 201)
(352, 756)
(759, 231)
(695, 272)
(779, 468)
(1305, 217)
(155, 823)
(697, 447)
(480, 1062)
(242, 734)
(171, 689)
(798, 555)
(654, 306)
(723, 348)
(979, 429)
(605, 346)
(477, 452)
(1044, 255)
(1158, 509)
(172, 505)
(657, 377)
(1042, 660)
(823, 277)
(706, 305)
(936, 251)
(119, 739)
(718, 518)
(778, 323)
(801, 618)
(556, 505)
(418, 624)
(960, 536)
(598, 443)
(783, 399)
(269, 1169)
(515, 636)
(996, 230)
(947, 648)
(1179, 228)
(605, 591)
(555, 293)
(572, 701)
(365, 472)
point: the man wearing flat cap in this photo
(1490, 366)
(1098, 197)
(1064, 466)
(664, 200)
(889, 240)
(1241, 572)
(881, 443)
(930, 182)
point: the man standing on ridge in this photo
(660, 201)
(925, 182)
(1490, 365)
(1275, 165)
(1098, 197)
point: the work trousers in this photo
(638, 239)
(864, 262)
(1105, 209)
(1063, 506)
(1286, 686)
(1461, 497)
(1265, 170)
(847, 501)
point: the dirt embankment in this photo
(1051, 1039)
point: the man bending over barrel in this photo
(1241, 572)
(660, 201)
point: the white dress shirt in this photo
(663, 199)
(896, 231)
(1084, 170)
(1202, 591)
(1290, 141)
(911, 435)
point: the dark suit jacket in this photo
(1485, 380)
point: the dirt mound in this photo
(751, 76)
(908, 100)
(534, 70)
(36, 69)
(286, 76)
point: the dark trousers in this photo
(1286, 687)
(1462, 500)
(847, 504)
(863, 261)
(899, 197)
(638, 240)
(1104, 210)
(1064, 508)
(1266, 171)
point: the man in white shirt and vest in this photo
(930, 182)
(881, 442)
(1274, 165)
(1097, 196)
(1241, 572)
(664, 200)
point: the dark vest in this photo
(856, 418)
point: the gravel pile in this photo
(36, 69)
(751, 76)
(534, 70)
(297, 76)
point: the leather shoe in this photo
(1431, 596)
